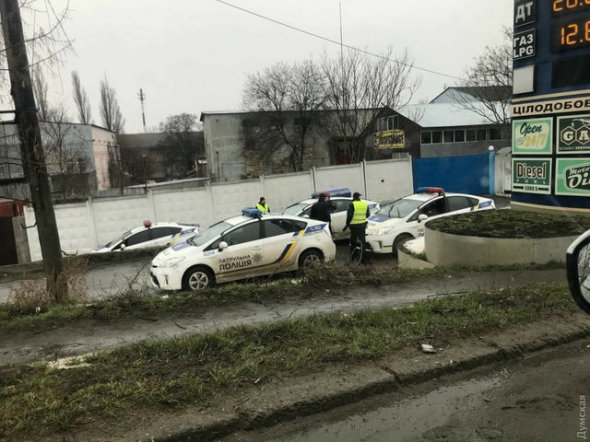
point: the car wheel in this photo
(310, 258)
(399, 241)
(197, 278)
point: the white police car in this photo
(150, 235)
(245, 246)
(341, 198)
(404, 219)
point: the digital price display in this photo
(571, 33)
(561, 7)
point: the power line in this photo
(329, 40)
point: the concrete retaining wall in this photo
(443, 249)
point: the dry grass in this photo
(32, 295)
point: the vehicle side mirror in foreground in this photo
(123, 246)
(222, 246)
(422, 217)
(578, 270)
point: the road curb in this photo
(286, 399)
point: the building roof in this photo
(487, 93)
(443, 115)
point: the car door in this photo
(432, 209)
(281, 243)
(460, 204)
(243, 255)
(137, 240)
(339, 218)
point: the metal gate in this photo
(7, 243)
(465, 174)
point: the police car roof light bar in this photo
(438, 190)
(334, 191)
(252, 212)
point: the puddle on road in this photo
(386, 418)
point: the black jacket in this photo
(322, 210)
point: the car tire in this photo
(197, 278)
(309, 258)
(399, 241)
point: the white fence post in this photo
(91, 220)
(150, 196)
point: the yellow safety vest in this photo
(360, 212)
(262, 207)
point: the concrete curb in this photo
(301, 396)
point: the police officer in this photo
(262, 205)
(322, 209)
(356, 220)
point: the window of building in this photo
(392, 122)
(437, 136)
(426, 137)
(449, 136)
(470, 135)
(495, 134)
(459, 136)
(481, 135)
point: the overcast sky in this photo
(194, 55)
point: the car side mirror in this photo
(222, 246)
(123, 246)
(422, 217)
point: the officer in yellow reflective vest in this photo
(262, 205)
(356, 220)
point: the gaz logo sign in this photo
(574, 134)
(531, 175)
(523, 44)
(532, 137)
(573, 177)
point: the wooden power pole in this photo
(33, 156)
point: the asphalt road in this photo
(111, 280)
(543, 397)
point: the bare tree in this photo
(487, 87)
(81, 100)
(290, 98)
(359, 86)
(182, 141)
(40, 91)
(110, 112)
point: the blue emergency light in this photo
(252, 212)
(438, 190)
(334, 191)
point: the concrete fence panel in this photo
(350, 176)
(283, 190)
(389, 180)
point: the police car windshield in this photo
(400, 208)
(295, 209)
(212, 232)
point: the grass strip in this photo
(188, 370)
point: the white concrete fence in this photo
(84, 226)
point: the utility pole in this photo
(33, 156)
(141, 96)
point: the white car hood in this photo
(181, 250)
(389, 224)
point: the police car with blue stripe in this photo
(341, 198)
(246, 246)
(404, 219)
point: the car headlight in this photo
(172, 262)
